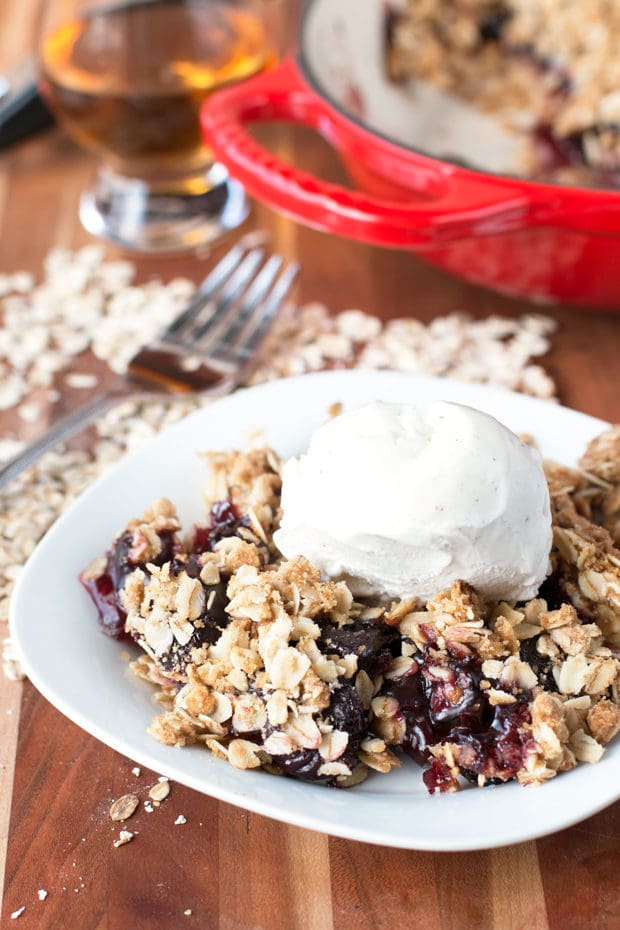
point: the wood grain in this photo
(10, 704)
(232, 869)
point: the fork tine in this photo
(245, 349)
(230, 292)
(206, 290)
(254, 296)
(164, 365)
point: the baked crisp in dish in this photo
(549, 66)
(269, 666)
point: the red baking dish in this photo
(541, 241)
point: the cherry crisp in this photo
(269, 666)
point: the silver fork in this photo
(207, 349)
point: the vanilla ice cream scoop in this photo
(401, 501)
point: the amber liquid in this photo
(128, 81)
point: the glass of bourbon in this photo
(127, 80)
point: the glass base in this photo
(175, 217)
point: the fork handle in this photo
(61, 430)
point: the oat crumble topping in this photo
(267, 665)
(546, 66)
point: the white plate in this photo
(85, 676)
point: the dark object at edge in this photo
(22, 110)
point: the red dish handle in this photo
(456, 204)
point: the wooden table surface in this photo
(235, 870)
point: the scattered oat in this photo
(124, 837)
(10, 447)
(42, 894)
(81, 380)
(30, 412)
(494, 350)
(11, 666)
(160, 791)
(180, 819)
(188, 912)
(123, 808)
(20, 282)
(18, 912)
(82, 302)
(137, 771)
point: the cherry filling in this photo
(495, 753)
(207, 628)
(375, 644)
(540, 665)
(224, 521)
(105, 588)
(441, 701)
(492, 24)
(348, 715)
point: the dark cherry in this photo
(556, 153)
(391, 22)
(551, 591)
(105, 589)
(347, 714)
(119, 564)
(305, 765)
(441, 700)
(455, 698)
(431, 705)
(224, 521)
(542, 666)
(410, 692)
(496, 752)
(374, 643)
(438, 777)
(493, 25)
(208, 629)
(110, 614)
